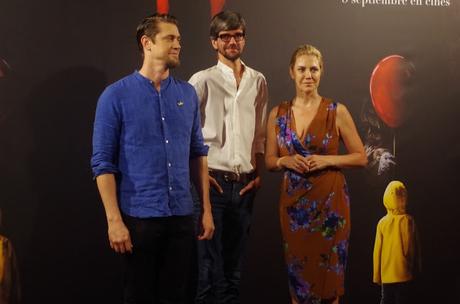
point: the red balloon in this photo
(388, 86)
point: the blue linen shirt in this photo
(146, 139)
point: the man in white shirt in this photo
(233, 101)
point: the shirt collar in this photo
(226, 69)
(164, 83)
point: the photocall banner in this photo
(393, 63)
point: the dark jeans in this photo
(397, 293)
(220, 259)
(162, 266)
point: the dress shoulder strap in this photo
(283, 108)
(330, 104)
(331, 114)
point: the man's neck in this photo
(236, 66)
(156, 72)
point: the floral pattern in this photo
(339, 255)
(296, 182)
(315, 215)
(327, 138)
(285, 133)
(307, 215)
(298, 286)
(331, 224)
(332, 106)
(346, 194)
(341, 249)
(304, 214)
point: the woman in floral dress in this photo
(303, 140)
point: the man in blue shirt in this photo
(147, 142)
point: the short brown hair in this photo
(226, 21)
(149, 27)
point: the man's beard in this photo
(232, 57)
(172, 63)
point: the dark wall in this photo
(63, 53)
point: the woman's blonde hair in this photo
(306, 49)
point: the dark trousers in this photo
(220, 259)
(397, 293)
(162, 267)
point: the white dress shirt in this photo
(233, 118)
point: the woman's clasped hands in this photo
(303, 164)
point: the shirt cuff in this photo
(199, 151)
(104, 168)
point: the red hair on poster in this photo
(216, 6)
(163, 6)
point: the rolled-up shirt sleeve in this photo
(106, 135)
(261, 117)
(197, 146)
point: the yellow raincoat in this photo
(395, 249)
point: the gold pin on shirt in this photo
(180, 103)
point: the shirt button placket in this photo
(165, 134)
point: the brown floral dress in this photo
(314, 209)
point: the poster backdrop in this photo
(394, 63)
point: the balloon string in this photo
(394, 144)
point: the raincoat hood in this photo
(395, 198)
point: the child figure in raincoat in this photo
(396, 253)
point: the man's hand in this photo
(119, 238)
(255, 183)
(207, 226)
(213, 183)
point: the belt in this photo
(229, 176)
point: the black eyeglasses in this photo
(227, 37)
